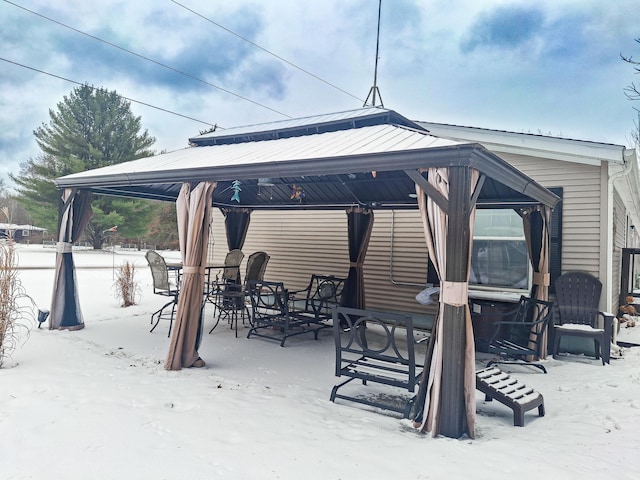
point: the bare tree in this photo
(633, 91)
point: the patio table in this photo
(226, 298)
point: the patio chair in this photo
(256, 266)
(518, 340)
(578, 297)
(229, 275)
(232, 297)
(164, 284)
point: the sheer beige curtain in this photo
(434, 221)
(193, 208)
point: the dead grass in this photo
(16, 307)
(125, 286)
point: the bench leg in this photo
(335, 388)
(518, 417)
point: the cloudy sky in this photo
(550, 67)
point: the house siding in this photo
(306, 242)
(581, 215)
(619, 242)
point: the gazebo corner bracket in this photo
(429, 189)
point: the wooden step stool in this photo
(496, 384)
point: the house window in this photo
(499, 257)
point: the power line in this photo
(265, 50)
(121, 96)
(149, 59)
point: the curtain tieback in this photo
(454, 293)
(356, 264)
(542, 279)
(64, 247)
(192, 270)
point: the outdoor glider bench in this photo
(278, 313)
(318, 298)
(498, 385)
(375, 347)
(272, 316)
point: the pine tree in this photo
(90, 128)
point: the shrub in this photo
(125, 286)
(16, 307)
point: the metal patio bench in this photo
(375, 347)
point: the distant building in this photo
(21, 233)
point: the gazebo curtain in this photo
(436, 228)
(360, 225)
(236, 223)
(537, 225)
(193, 208)
(75, 213)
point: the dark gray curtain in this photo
(360, 225)
(236, 223)
(73, 216)
(537, 230)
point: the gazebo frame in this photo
(362, 160)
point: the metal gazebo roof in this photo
(365, 157)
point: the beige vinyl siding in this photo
(581, 207)
(306, 242)
(619, 242)
(396, 265)
(298, 242)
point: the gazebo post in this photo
(452, 405)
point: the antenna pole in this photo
(374, 89)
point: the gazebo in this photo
(361, 161)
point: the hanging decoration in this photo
(297, 193)
(235, 186)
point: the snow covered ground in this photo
(98, 403)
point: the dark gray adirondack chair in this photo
(578, 297)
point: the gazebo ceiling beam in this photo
(429, 189)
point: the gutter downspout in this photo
(628, 167)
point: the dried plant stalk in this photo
(13, 308)
(125, 286)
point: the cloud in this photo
(551, 65)
(504, 27)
